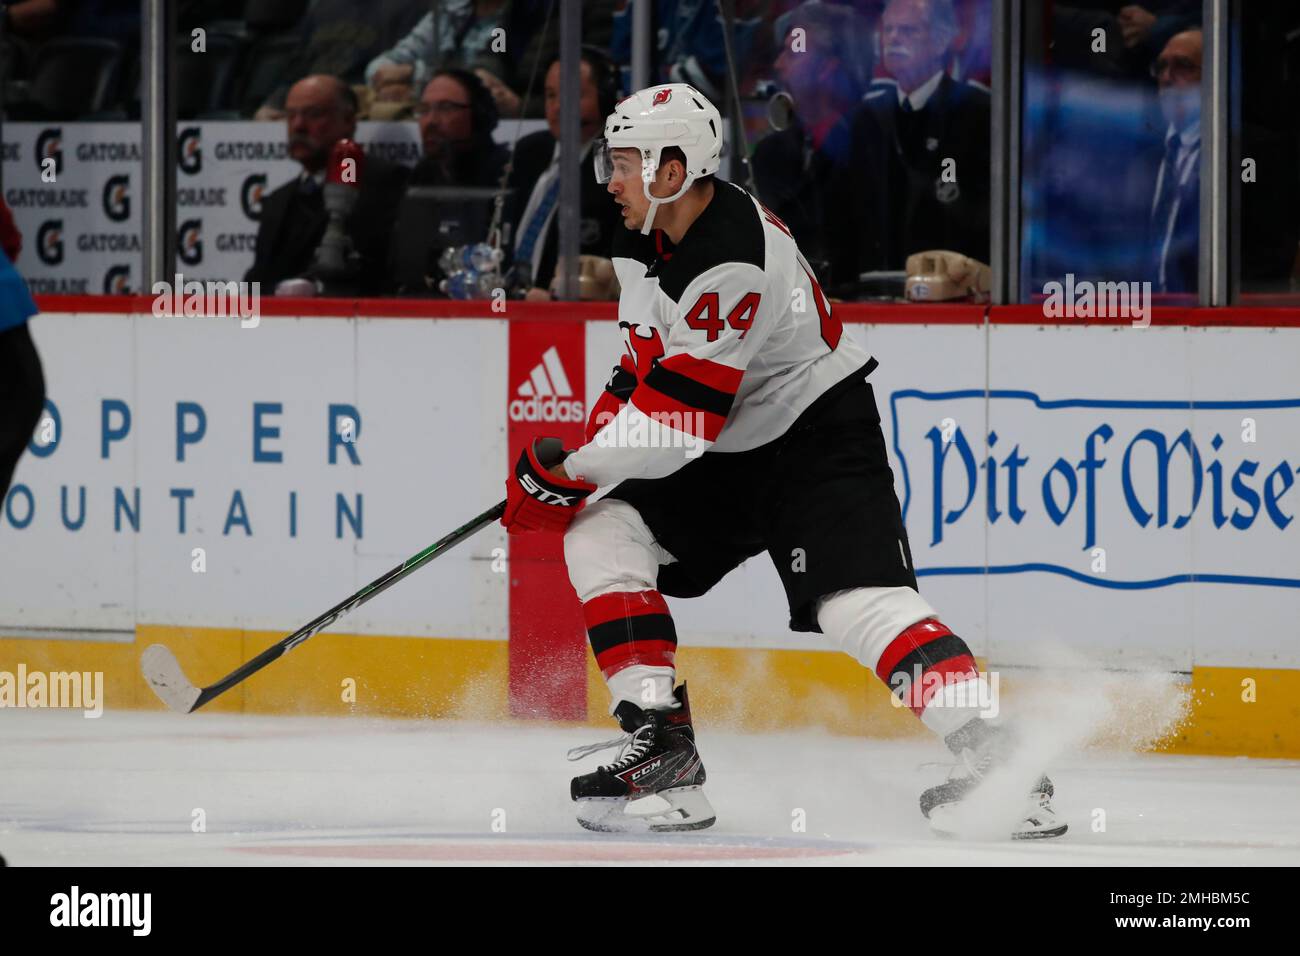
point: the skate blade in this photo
(949, 821)
(1055, 831)
(684, 808)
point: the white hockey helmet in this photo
(674, 114)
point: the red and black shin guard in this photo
(628, 628)
(921, 660)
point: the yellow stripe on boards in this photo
(1232, 711)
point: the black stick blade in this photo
(163, 673)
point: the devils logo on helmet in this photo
(662, 97)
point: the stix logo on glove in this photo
(545, 495)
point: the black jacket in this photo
(292, 226)
(796, 182)
(895, 200)
(599, 213)
(481, 166)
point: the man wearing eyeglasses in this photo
(457, 115)
(319, 111)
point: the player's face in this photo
(625, 186)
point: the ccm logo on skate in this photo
(642, 771)
(543, 495)
(547, 395)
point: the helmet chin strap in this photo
(656, 200)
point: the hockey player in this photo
(739, 420)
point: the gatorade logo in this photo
(49, 242)
(250, 196)
(546, 396)
(117, 280)
(117, 198)
(49, 145)
(189, 242)
(189, 153)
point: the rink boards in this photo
(1118, 496)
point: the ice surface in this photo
(123, 789)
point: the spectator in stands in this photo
(825, 69)
(1136, 33)
(339, 38)
(22, 386)
(31, 19)
(321, 110)
(38, 19)
(1176, 199)
(689, 43)
(1146, 28)
(535, 178)
(474, 34)
(918, 171)
(457, 115)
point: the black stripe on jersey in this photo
(926, 656)
(630, 244)
(689, 392)
(729, 230)
(621, 384)
(639, 627)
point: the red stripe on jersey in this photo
(622, 604)
(663, 254)
(831, 327)
(713, 374)
(945, 672)
(649, 653)
(675, 414)
(918, 635)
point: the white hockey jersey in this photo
(729, 338)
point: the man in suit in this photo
(1175, 222)
(918, 171)
(535, 179)
(320, 111)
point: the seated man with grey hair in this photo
(917, 176)
(321, 110)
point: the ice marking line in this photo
(488, 849)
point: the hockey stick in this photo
(163, 672)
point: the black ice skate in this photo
(982, 749)
(657, 782)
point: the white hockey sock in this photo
(955, 705)
(650, 688)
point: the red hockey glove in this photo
(536, 498)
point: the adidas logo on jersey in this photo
(546, 396)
